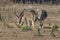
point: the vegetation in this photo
(26, 28)
(54, 28)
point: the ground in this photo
(9, 30)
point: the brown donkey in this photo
(27, 16)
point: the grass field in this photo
(10, 31)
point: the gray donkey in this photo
(42, 16)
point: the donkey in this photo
(27, 16)
(42, 16)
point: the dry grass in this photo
(9, 11)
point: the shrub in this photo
(26, 28)
(54, 28)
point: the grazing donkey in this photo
(42, 16)
(27, 16)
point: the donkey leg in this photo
(22, 21)
(41, 24)
(26, 20)
(28, 24)
(32, 23)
